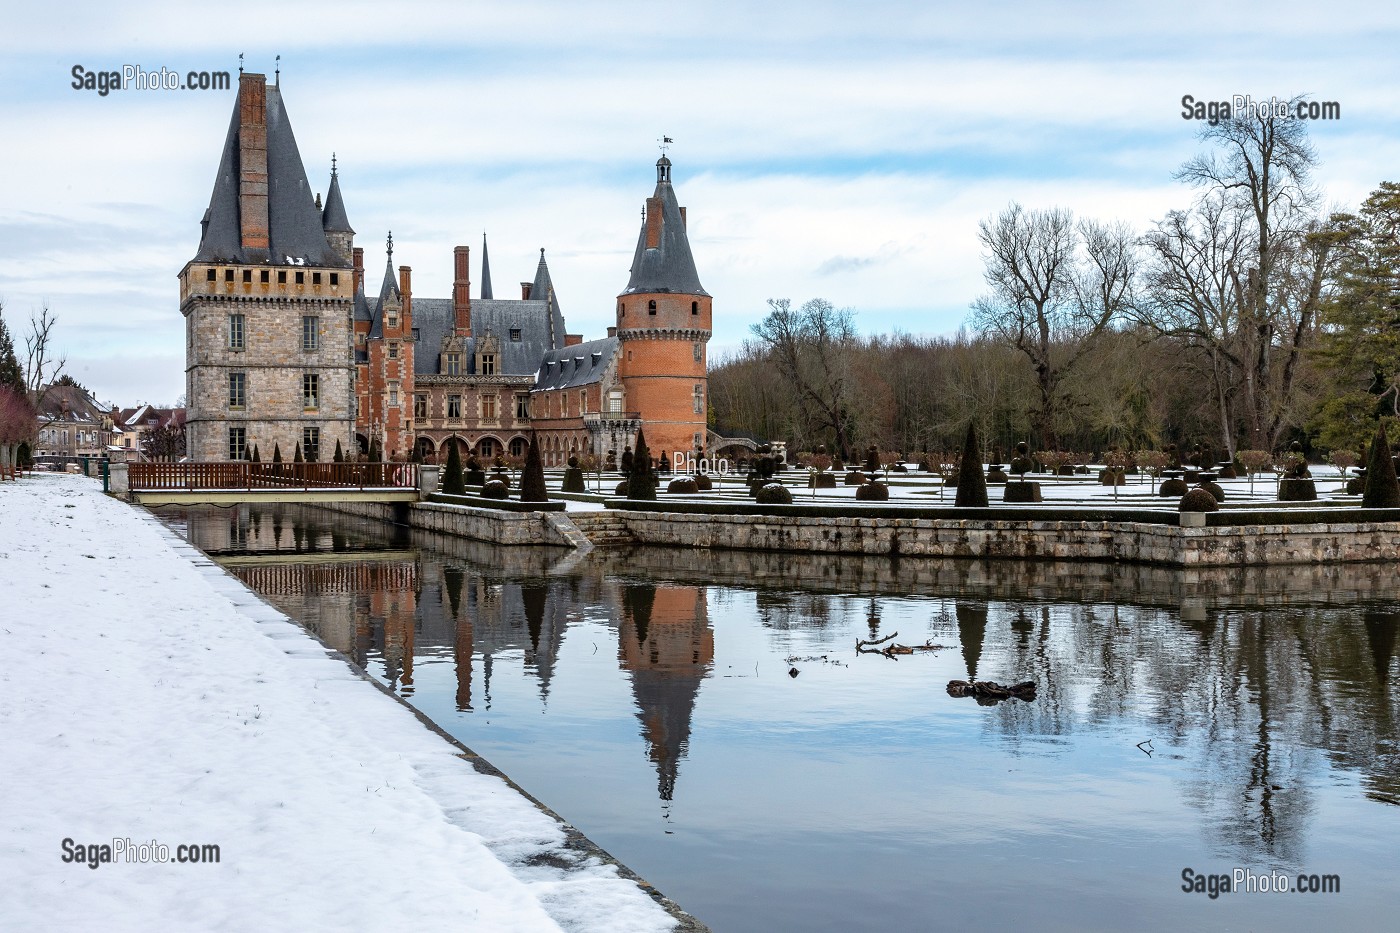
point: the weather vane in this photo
(663, 142)
(332, 163)
(277, 75)
(240, 62)
(391, 244)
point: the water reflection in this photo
(1267, 696)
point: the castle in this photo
(285, 349)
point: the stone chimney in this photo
(252, 160)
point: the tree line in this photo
(1248, 319)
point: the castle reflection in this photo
(1268, 682)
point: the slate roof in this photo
(362, 311)
(389, 288)
(580, 365)
(333, 218)
(433, 318)
(485, 271)
(669, 267)
(543, 289)
(294, 224)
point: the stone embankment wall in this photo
(493, 525)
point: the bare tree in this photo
(1241, 275)
(1056, 287)
(42, 365)
(811, 348)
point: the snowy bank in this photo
(148, 696)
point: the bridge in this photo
(236, 482)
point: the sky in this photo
(823, 150)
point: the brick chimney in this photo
(653, 223)
(252, 160)
(359, 265)
(612, 331)
(525, 290)
(406, 290)
(461, 291)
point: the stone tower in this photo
(268, 299)
(663, 324)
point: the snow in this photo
(148, 695)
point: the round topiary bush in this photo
(1021, 491)
(873, 492)
(823, 481)
(996, 476)
(1113, 477)
(621, 489)
(1173, 488)
(683, 485)
(855, 478)
(1294, 489)
(1197, 500)
(773, 494)
(1226, 470)
(703, 482)
(1214, 489)
(1356, 485)
(503, 478)
(495, 489)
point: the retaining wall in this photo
(496, 526)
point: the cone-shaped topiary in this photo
(972, 484)
(296, 455)
(1197, 500)
(452, 482)
(641, 484)
(257, 457)
(1381, 490)
(339, 454)
(376, 453)
(276, 453)
(532, 487)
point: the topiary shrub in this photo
(874, 491)
(1173, 488)
(500, 476)
(1357, 484)
(621, 489)
(703, 482)
(495, 489)
(773, 494)
(996, 476)
(1197, 500)
(854, 478)
(1113, 476)
(452, 482)
(823, 480)
(972, 485)
(641, 481)
(1214, 489)
(1295, 489)
(683, 485)
(532, 488)
(1021, 491)
(475, 475)
(1381, 490)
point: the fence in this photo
(245, 475)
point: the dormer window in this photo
(515, 334)
(488, 364)
(651, 306)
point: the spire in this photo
(663, 262)
(543, 290)
(391, 283)
(333, 218)
(485, 271)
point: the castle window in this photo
(515, 334)
(310, 332)
(488, 364)
(247, 276)
(583, 402)
(454, 407)
(393, 396)
(453, 365)
(228, 276)
(651, 306)
(335, 279)
(393, 319)
(522, 406)
(420, 406)
(393, 350)
(699, 350)
(311, 444)
(236, 336)
(237, 390)
(517, 447)
(210, 275)
(315, 278)
(695, 307)
(310, 390)
(699, 400)
(415, 333)
(237, 443)
(488, 408)
(615, 401)
(265, 277)
(301, 278)
(281, 276)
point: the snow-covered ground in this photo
(146, 695)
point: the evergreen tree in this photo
(339, 454)
(532, 488)
(10, 372)
(376, 453)
(452, 482)
(1381, 491)
(972, 482)
(276, 452)
(257, 457)
(296, 456)
(641, 483)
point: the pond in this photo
(706, 718)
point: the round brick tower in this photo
(663, 324)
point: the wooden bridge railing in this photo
(245, 475)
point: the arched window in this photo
(651, 306)
(695, 307)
